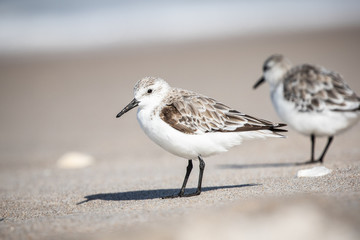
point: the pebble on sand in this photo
(314, 172)
(72, 160)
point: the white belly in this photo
(190, 146)
(326, 123)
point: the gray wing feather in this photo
(312, 88)
(196, 114)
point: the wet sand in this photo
(51, 105)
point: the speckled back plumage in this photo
(193, 113)
(312, 88)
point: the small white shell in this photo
(72, 160)
(314, 172)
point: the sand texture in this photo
(52, 105)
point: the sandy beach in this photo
(53, 104)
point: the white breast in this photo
(325, 123)
(190, 146)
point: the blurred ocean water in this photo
(53, 25)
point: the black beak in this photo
(259, 82)
(131, 105)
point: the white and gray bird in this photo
(192, 126)
(312, 100)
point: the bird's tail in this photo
(274, 130)
(278, 128)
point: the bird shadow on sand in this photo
(260, 165)
(151, 194)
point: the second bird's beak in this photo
(259, 82)
(131, 105)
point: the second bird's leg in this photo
(326, 148)
(321, 158)
(312, 160)
(312, 147)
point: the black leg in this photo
(188, 171)
(312, 160)
(202, 168)
(312, 147)
(326, 148)
(198, 190)
(182, 190)
(313, 150)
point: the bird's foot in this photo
(310, 162)
(180, 195)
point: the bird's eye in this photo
(265, 68)
(149, 91)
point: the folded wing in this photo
(312, 88)
(195, 114)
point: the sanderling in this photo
(313, 100)
(192, 126)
